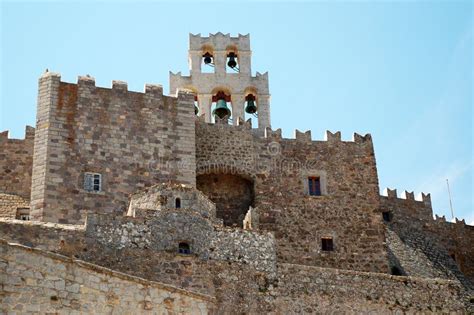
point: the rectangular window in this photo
(92, 182)
(23, 214)
(327, 244)
(314, 186)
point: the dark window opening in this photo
(314, 185)
(23, 214)
(387, 216)
(453, 256)
(178, 203)
(395, 271)
(327, 244)
(184, 248)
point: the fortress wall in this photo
(305, 289)
(458, 239)
(164, 230)
(16, 159)
(157, 230)
(235, 285)
(279, 169)
(10, 203)
(346, 211)
(448, 246)
(67, 239)
(39, 282)
(245, 247)
(133, 139)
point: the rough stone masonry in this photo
(138, 202)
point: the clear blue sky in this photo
(399, 70)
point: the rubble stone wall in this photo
(164, 230)
(16, 160)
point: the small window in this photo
(327, 244)
(387, 216)
(184, 248)
(178, 203)
(93, 182)
(23, 214)
(314, 186)
(453, 256)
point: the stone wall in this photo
(9, 204)
(133, 139)
(63, 238)
(34, 281)
(165, 196)
(232, 276)
(424, 246)
(163, 231)
(306, 289)
(16, 159)
(279, 168)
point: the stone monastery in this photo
(122, 202)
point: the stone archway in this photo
(232, 194)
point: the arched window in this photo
(177, 203)
(184, 248)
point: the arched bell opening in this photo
(232, 194)
(232, 60)
(207, 59)
(251, 105)
(221, 107)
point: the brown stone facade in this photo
(11, 204)
(445, 246)
(132, 139)
(278, 170)
(16, 159)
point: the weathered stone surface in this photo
(34, 281)
(9, 204)
(16, 159)
(196, 217)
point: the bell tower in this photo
(221, 77)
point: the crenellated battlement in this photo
(305, 137)
(407, 196)
(154, 90)
(456, 223)
(219, 41)
(276, 135)
(29, 135)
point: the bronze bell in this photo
(221, 109)
(207, 58)
(231, 63)
(251, 108)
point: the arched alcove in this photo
(232, 194)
